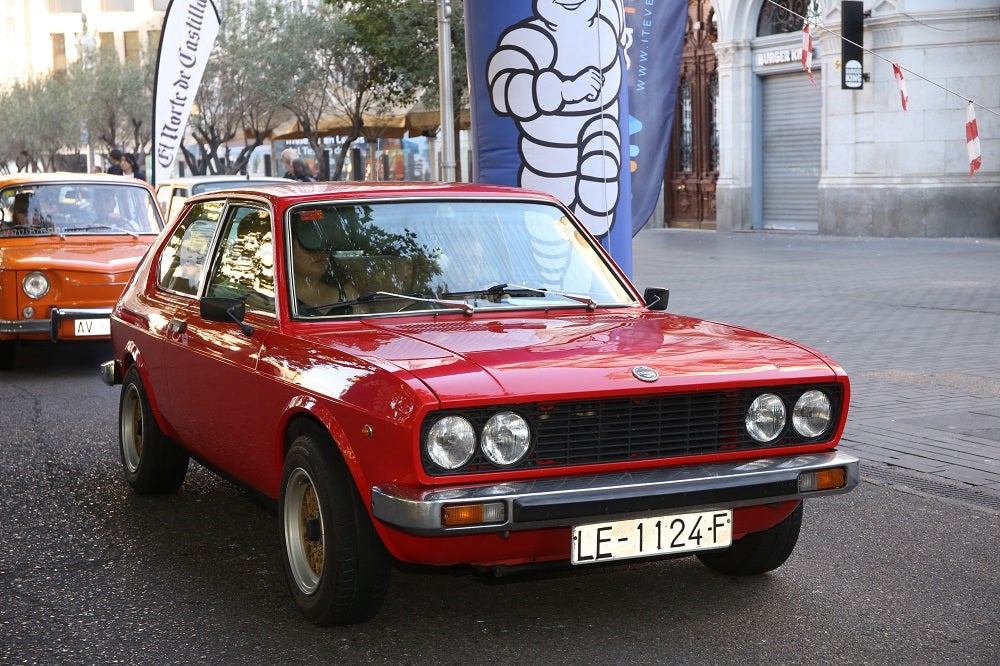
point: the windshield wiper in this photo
(520, 291)
(496, 291)
(97, 227)
(376, 296)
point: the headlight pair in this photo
(767, 416)
(452, 441)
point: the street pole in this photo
(444, 75)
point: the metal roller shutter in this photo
(791, 151)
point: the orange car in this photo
(68, 244)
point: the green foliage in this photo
(274, 61)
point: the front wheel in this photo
(759, 552)
(336, 566)
(153, 462)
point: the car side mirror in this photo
(656, 298)
(214, 308)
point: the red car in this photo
(442, 374)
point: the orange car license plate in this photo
(89, 327)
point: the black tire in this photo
(7, 354)
(153, 463)
(335, 564)
(759, 552)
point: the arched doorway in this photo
(692, 167)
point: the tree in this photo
(37, 126)
(113, 99)
(245, 85)
(401, 36)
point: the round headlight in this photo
(451, 442)
(812, 414)
(506, 438)
(766, 417)
(35, 284)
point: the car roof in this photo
(69, 177)
(375, 190)
(221, 178)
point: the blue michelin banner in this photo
(577, 99)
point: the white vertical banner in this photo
(189, 31)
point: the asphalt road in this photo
(92, 574)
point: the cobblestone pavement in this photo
(915, 322)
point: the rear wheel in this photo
(759, 552)
(153, 462)
(336, 566)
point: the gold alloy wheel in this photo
(131, 429)
(305, 537)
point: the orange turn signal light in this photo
(464, 515)
(824, 479)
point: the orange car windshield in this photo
(67, 209)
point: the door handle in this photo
(176, 326)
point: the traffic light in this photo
(852, 43)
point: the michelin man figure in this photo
(558, 74)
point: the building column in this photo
(734, 191)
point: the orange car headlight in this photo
(35, 284)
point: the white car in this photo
(171, 193)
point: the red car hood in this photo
(581, 355)
(109, 255)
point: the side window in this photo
(244, 267)
(183, 259)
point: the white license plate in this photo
(647, 537)
(87, 327)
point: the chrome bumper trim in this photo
(563, 501)
(51, 326)
(26, 326)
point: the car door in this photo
(217, 395)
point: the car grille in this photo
(639, 428)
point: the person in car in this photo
(316, 282)
(104, 206)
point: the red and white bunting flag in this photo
(807, 52)
(904, 97)
(972, 140)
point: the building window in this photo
(106, 40)
(65, 6)
(117, 5)
(788, 17)
(132, 50)
(687, 127)
(160, 5)
(713, 122)
(154, 40)
(59, 55)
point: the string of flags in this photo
(901, 84)
(971, 128)
(972, 140)
(807, 52)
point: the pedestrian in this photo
(115, 157)
(301, 171)
(287, 156)
(130, 167)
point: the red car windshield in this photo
(66, 209)
(444, 253)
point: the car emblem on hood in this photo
(645, 373)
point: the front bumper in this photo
(563, 501)
(51, 325)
